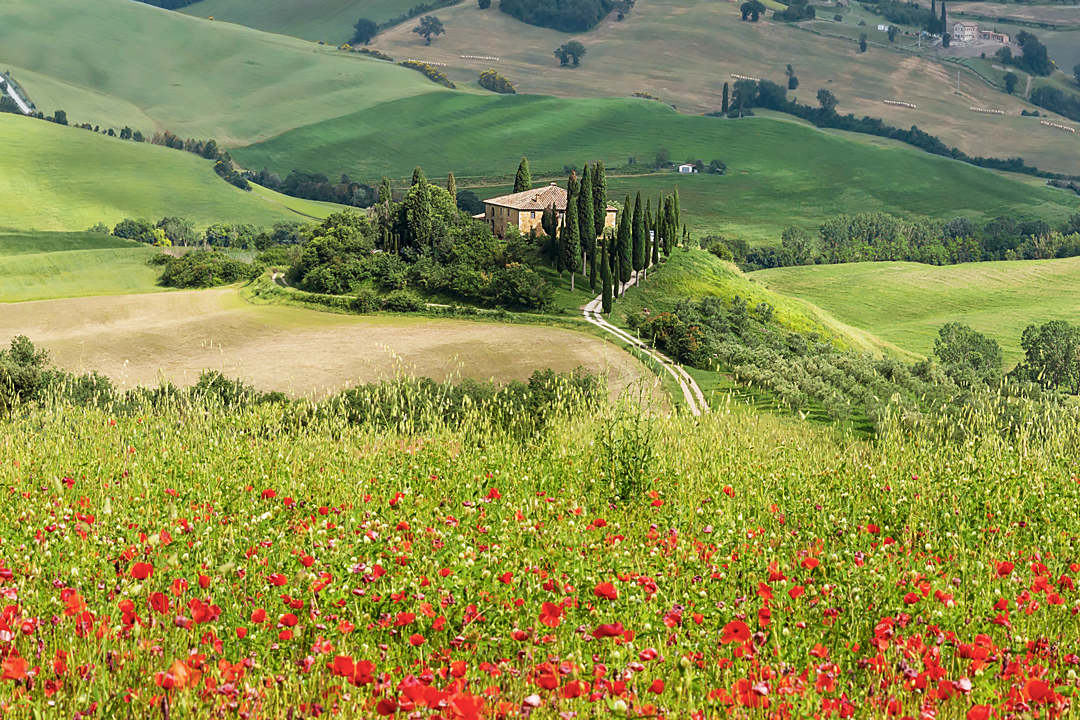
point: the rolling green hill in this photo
(62, 178)
(779, 172)
(38, 266)
(330, 21)
(907, 303)
(124, 61)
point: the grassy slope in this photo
(906, 303)
(193, 76)
(779, 172)
(36, 266)
(330, 21)
(57, 178)
(697, 274)
(684, 50)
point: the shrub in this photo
(402, 301)
(141, 230)
(203, 268)
(430, 71)
(493, 81)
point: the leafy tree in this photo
(586, 223)
(624, 243)
(569, 16)
(968, 357)
(571, 239)
(523, 179)
(799, 245)
(60, 117)
(599, 190)
(827, 101)
(23, 373)
(752, 10)
(570, 53)
(179, 231)
(549, 221)
(469, 202)
(663, 158)
(364, 31)
(892, 33)
(1010, 82)
(1076, 73)
(429, 27)
(605, 273)
(792, 81)
(724, 103)
(417, 214)
(1052, 355)
(637, 235)
(484, 4)
(862, 42)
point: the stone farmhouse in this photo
(524, 210)
(965, 32)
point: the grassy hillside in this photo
(907, 303)
(683, 51)
(698, 274)
(35, 266)
(779, 172)
(330, 21)
(195, 77)
(61, 178)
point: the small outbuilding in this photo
(687, 169)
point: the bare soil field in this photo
(144, 339)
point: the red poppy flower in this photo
(979, 712)
(608, 630)
(241, 632)
(1038, 691)
(551, 614)
(159, 602)
(289, 620)
(657, 686)
(911, 598)
(735, 631)
(386, 707)
(1004, 569)
(14, 669)
(810, 563)
(277, 579)
(141, 571)
(343, 666)
(258, 616)
(606, 590)
(416, 640)
(796, 592)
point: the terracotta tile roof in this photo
(536, 199)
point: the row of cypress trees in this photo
(643, 235)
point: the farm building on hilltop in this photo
(524, 210)
(965, 32)
(687, 169)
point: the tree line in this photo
(867, 237)
(565, 15)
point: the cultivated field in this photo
(1061, 15)
(684, 50)
(123, 60)
(779, 172)
(139, 340)
(63, 178)
(907, 303)
(329, 21)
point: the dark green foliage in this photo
(429, 27)
(141, 230)
(724, 106)
(605, 274)
(599, 191)
(484, 4)
(587, 224)
(570, 53)
(637, 235)
(906, 13)
(624, 244)
(204, 268)
(565, 15)
(1057, 100)
(402, 301)
(23, 373)
(570, 238)
(549, 221)
(178, 230)
(169, 4)
(364, 31)
(59, 117)
(523, 178)
(1051, 356)
(469, 202)
(1034, 59)
(798, 10)
(968, 357)
(862, 42)
(316, 186)
(752, 10)
(1076, 73)
(1010, 82)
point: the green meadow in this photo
(64, 178)
(907, 303)
(329, 21)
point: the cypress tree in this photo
(624, 243)
(605, 276)
(655, 242)
(549, 221)
(385, 196)
(523, 179)
(599, 191)
(677, 207)
(931, 24)
(587, 228)
(451, 187)
(637, 233)
(417, 176)
(944, 25)
(668, 224)
(647, 218)
(724, 107)
(571, 245)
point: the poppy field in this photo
(204, 562)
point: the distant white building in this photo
(687, 169)
(883, 28)
(965, 32)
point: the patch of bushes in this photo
(202, 269)
(493, 81)
(1056, 100)
(565, 15)
(430, 71)
(798, 10)
(416, 10)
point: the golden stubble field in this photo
(143, 339)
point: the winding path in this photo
(695, 399)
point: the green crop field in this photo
(62, 178)
(330, 21)
(177, 335)
(907, 303)
(683, 51)
(125, 62)
(779, 172)
(35, 266)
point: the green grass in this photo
(62, 178)
(38, 266)
(330, 21)
(126, 62)
(907, 303)
(779, 172)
